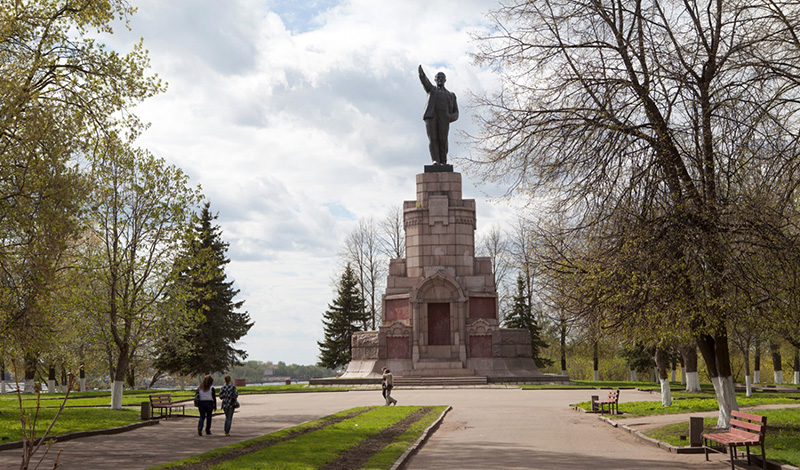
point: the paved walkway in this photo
(486, 429)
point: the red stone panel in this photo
(480, 346)
(438, 324)
(482, 307)
(396, 310)
(398, 347)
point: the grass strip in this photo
(328, 443)
(71, 420)
(386, 457)
(208, 459)
(318, 448)
(689, 405)
(782, 441)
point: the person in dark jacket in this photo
(206, 399)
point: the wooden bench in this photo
(612, 401)
(163, 402)
(746, 430)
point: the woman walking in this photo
(206, 400)
(230, 401)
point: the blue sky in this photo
(298, 118)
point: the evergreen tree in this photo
(521, 316)
(204, 344)
(346, 315)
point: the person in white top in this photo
(206, 400)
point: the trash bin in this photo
(146, 410)
(696, 431)
(288, 381)
(595, 405)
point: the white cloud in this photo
(297, 118)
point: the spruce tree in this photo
(521, 316)
(205, 343)
(346, 315)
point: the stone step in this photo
(438, 364)
(440, 372)
(439, 381)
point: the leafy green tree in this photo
(205, 343)
(140, 212)
(522, 316)
(345, 316)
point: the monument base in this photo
(439, 168)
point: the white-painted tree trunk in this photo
(779, 377)
(726, 398)
(51, 386)
(674, 374)
(757, 377)
(29, 386)
(797, 377)
(748, 386)
(2, 387)
(596, 375)
(116, 394)
(563, 372)
(633, 376)
(666, 393)
(692, 382)
(683, 376)
(83, 384)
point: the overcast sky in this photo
(297, 118)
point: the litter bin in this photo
(595, 404)
(288, 381)
(146, 410)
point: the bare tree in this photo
(363, 251)
(392, 234)
(662, 106)
(496, 246)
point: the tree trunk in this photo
(775, 349)
(757, 363)
(30, 373)
(717, 356)
(662, 363)
(796, 366)
(689, 357)
(683, 371)
(596, 361)
(633, 376)
(119, 379)
(563, 338)
(748, 385)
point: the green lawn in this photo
(319, 447)
(646, 408)
(71, 420)
(782, 440)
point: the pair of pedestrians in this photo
(205, 399)
(387, 385)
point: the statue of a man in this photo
(440, 111)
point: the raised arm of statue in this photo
(426, 84)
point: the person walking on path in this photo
(206, 400)
(388, 379)
(230, 401)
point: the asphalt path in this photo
(486, 429)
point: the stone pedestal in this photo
(440, 314)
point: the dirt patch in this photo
(255, 447)
(357, 456)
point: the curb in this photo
(687, 450)
(79, 434)
(403, 459)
